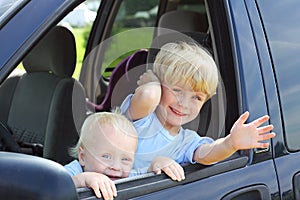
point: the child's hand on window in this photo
(100, 183)
(169, 166)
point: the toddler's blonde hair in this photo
(93, 123)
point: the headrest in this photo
(202, 39)
(55, 53)
(183, 21)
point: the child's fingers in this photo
(179, 172)
(262, 145)
(170, 173)
(242, 119)
(106, 190)
(96, 189)
(157, 171)
(267, 136)
(175, 172)
(114, 189)
(260, 120)
(265, 129)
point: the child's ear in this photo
(81, 156)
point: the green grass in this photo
(121, 46)
(81, 40)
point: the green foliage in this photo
(81, 38)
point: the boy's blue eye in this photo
(176, 90)
(199, 98)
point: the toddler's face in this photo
(111, 153)
(179, 105)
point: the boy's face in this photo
(110, 153)
(179, 105)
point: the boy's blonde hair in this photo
(187, 63)
(95, 121)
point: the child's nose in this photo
(182, 100)
(116, 165)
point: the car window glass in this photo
(130, 16)
(8, 8)
(195, 6)
(283, 34)
(79, 22)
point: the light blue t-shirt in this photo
(154, 140)
(73, 168)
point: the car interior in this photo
(213, 120)
(212, 114)
(44, 108)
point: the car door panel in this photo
(249, 193)
(283, 48)
(296, 185)
(214, 186)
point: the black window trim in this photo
(149, 183)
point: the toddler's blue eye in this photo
(107, 156)
(126, 159)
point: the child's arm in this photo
(169, 166)
(242, 136)
(146, 96)
(98, 182)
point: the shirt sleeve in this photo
(140, 123)
(126, 103)
(73, 168)
(198, 141)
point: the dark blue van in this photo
(48, 88)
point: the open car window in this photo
(218, 114)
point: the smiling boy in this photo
(184, 77)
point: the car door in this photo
(247, 174)
(282, 30)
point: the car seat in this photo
(122, 81)
(182, 21)
(46, 106)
